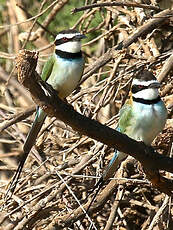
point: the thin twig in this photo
(127, 3)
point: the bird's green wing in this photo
(47, 69)
(125, 118)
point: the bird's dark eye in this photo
(65, 39)
(61, 41)
(137, 88)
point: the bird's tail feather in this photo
(30, 141)
(108, 172)
(113, 165)
(35, 129)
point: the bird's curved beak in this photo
(154, 85)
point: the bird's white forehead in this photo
(59, 36)
(145, 83)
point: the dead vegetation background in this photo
(48, 193)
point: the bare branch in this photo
(127, 3)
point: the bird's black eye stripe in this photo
(137, 88)
(62, 40)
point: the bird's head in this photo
(69, 41)
(145, 86)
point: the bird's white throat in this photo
(71, 47)
(147, 94)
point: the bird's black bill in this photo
(154, 85)
(79, 37)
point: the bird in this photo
(142, 118)
(63, 71)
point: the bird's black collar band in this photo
(68, 55)
(147, 102)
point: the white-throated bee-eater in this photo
(62, 71)
(142, 118)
